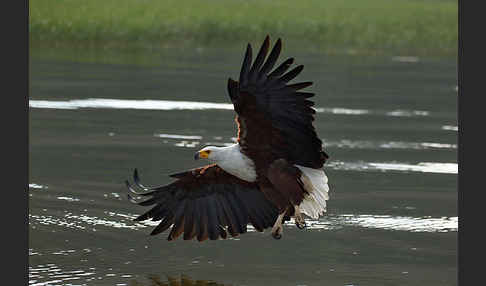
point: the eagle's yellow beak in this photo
(201, 154)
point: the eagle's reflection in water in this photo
(155, 280)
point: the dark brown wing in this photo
(274, 116)
(205, 203)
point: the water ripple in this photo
(362, 144)
(193, 105)
(177, 136)
(36, 186)
(328, 222)
(424, 167)
(82, 222)
(50, 274)
(69, 199)
(339, 110)
(128, 104)
(412, 224)
(450, 127)
(407, 113)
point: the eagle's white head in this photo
(211, 153)
(229, 159)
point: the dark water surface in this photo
(389, 124)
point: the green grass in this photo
(412, 26)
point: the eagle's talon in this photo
(299, 219)
(277, 232)
(301, 224)
(277, 228)
(276, 235)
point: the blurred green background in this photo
(418, 27)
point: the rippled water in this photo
(389, 124)
(192, 105)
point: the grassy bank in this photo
(411, 26)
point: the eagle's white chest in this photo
(236, 163)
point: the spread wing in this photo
(205, 203)
(272, 115)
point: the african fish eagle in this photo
(273, 173)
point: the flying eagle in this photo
(273, 173)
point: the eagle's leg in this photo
(277, 228)
(299, 218)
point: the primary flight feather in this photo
(273, 172)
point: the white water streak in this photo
(36, 186)
(387, 222)
(128, 104)
(191, 105)
(423, 167)
(177, 136)
(450, 127)
(363, 144)
(328, 222)
(50, 274)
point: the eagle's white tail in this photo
(315, 182)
